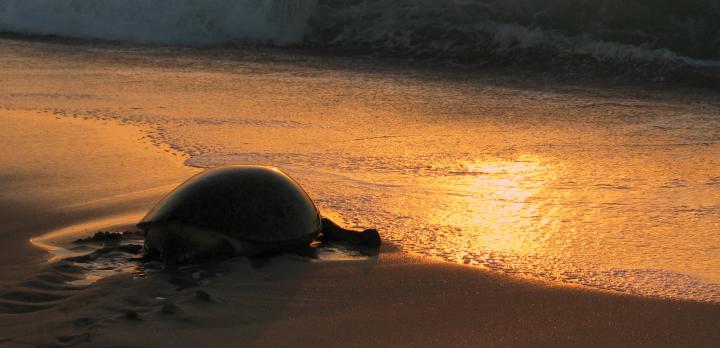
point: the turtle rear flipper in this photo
(333, 232)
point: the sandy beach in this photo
(394, 299)
(82, 152)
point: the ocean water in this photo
(583, 181)
(635, 32)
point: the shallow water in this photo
(614, 187)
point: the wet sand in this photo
(61, 172)
(65, 172)
(582, 181)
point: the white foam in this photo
(510, 36)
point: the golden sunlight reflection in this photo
(493, 204)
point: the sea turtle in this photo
(238, 211)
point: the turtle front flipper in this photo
(174, 249)
(180, 244)
(333, 232)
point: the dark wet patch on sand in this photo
(83, 261)
(86, 261)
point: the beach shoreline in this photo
(395, 299)
(443, 163)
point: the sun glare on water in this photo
(492, 203)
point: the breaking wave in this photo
(184, 22)
(665, 31)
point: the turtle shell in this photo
(254, 203)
